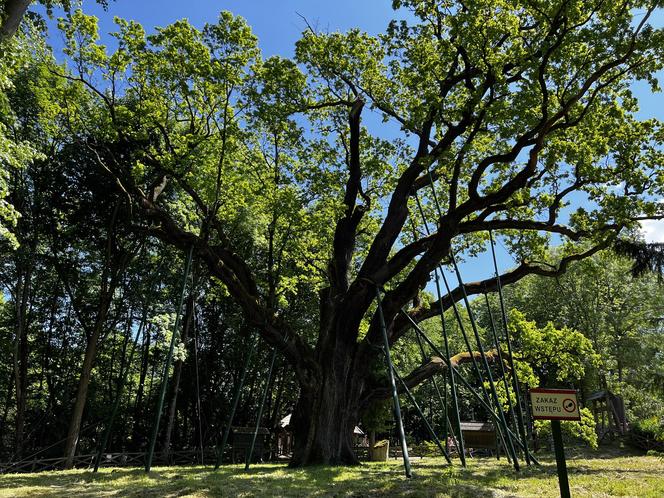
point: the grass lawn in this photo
(606, 473)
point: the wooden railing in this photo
(645, 443)
(110, 459)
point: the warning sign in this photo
(554, 404)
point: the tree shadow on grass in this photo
(261, 480)
(432, 477)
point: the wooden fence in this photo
(137, 459)
(122, 459)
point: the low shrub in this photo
(651, 427)
(573, 432)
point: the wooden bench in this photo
(240, 441)
(479, 436)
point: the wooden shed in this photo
(609, 412)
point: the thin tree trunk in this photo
(114, 265)
(177, 375)
(83, 384)
(8, 400)
(21, 355)
(138, 405)
(274, 417)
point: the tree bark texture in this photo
(12, 16)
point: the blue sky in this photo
(278, 24)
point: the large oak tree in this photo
(284, 178)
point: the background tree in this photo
(505, 111)
(621, 316)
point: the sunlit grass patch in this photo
(591, 475)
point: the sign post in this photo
(556, 405)
(561, 464)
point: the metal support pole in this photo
(515, 377)
(167, 366)
(462, 379)
(476, 367)
(442, 398)
(503, 432)
(236, 400)
(500, 360)
(250, 453)
(393, 386)
(421, 414)
(503, 422)
(469, 348)
(455, 400)
(198, 387)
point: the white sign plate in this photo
(554, 404)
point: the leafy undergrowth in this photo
(598, 475)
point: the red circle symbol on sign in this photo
(569, 405)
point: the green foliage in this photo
(555, 355)
(426, 449)
(573, 432)
(16, 152)
(651, 427)
(618, 313)
(378, 416)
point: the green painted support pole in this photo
(236, 400)
(561, 464)
(515, 377)
(501, 428)
(167, 366)
(503, 373)
(441, 398)
(453, 388)
(198, 388)
(446, 425)
(463, 381)
(122, 381)
(250, 453)
(478, 372)
(469, 348)
(424, 419)
(393, 387)
(510, 450)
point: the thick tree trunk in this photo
(11, 17)
(328, 409)
(323, 424)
